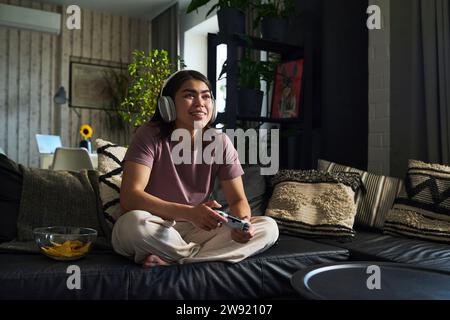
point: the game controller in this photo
(234, 222)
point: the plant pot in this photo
(274, 28)
(250, 102)
(231, 21)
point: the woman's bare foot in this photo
(153, 260)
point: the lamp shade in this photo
(60, 96)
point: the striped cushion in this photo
(314, 204)
(110, 169)
(374, 202)
(422, 210)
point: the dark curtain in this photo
(165, 32)
(342, 60)
(420, 74)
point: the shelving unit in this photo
(302, 126)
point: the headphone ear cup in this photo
(167, 109)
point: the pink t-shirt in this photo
(181, 183)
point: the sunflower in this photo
(86, 131)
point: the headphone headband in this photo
(168, 79)
(173, 75)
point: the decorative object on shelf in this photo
(147, 75)
(273, 16)
(251, 72)
(88, 85)
(287, 89)
(86, 132)
(230, 14)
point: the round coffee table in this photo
(360, 281)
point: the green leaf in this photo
(195, 4)
(214, 7)
(146, 74)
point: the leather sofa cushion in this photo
(105, 275)
(369, 245)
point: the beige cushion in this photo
(422, 210)
(110, 157)
(313, 203)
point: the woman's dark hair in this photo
(171, 88)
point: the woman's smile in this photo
(198, 115)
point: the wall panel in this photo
(33, 65)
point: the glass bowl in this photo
(65, 243)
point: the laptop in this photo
(48, 143)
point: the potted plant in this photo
(118, 86)
(273, 16)
(251, 72)
(250, 96)
(230, 14)
(147, 74)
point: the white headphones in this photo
(166, 105)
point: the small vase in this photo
(85, 143)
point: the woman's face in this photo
(193, 104)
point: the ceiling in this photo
(133, 8)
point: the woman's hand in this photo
(243, 236)
(204, 217)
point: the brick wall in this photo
(379, 93)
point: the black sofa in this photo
(106, 275)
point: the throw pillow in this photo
(58, 198)
(374, 200)
(110, 157)
(422, 210)
(313, 203)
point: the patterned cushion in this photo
(313, 203)
(422, 210)
(110, 157)
(374, 200)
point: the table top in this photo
(371, 280)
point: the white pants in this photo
(137, 234)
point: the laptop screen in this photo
(48, 143)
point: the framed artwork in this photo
(90, 85)
(287, 90)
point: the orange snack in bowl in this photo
(68, 249)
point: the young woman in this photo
(169, 218)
